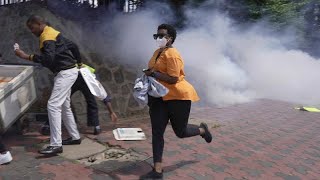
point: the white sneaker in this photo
(5, 158)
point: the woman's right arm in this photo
(165, 77)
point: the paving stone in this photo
(201, 156)
(286, 151)
(232, 160)
(265, 164)
(230, 178)
(314, 154)
(296, 145)
(252, 172)
(215, 150)
(249, 135)
(310, 161)
(100, 177)
(218, 168)
(238, 139)
(87, 148)
(276, 157)
(228, 144)
(112, 165)
(27, 167)
(139, 149)
(300, 169)
(265, 142)
(185, 146)
(315, 147)
(199, 176)
(287, 176)
(255, 147)
(169, 174)
(170, 153)
(225, 132)
(244, 153)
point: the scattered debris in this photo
(113, 153)
(216, 125)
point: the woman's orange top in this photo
(170, 62)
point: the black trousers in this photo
(160, 112)
(92, 106)
(2, 146)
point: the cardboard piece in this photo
(129, 134)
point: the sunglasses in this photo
(156, 36)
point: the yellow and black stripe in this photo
(57, 52)
(48, 34)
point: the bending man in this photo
(60, 55)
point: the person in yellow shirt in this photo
(58, 54)
(167, 66)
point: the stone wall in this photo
(115, 77)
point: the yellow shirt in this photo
(48, 34)
(170, 62)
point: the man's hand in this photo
(114, 117)
(19, 52)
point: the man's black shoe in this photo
(51, 150)
(69, 141)
(152, 175)
(45, 130)
(207, 135)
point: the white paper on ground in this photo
(121, 134)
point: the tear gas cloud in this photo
(226, 63)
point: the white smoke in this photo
(128, 38)
(225, 63)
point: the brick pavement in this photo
(258, 140)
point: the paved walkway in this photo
(265, 139)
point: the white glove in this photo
(16, 46)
